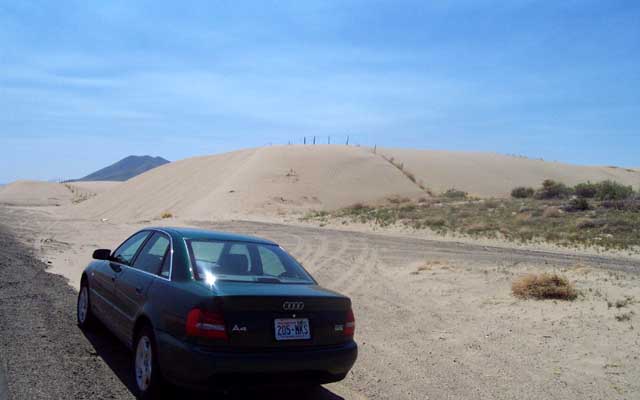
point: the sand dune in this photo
(488, 174)
(275, 180)
(289, 179)
(40, 193)
(35, 193)
(95, 187)
(259, 181)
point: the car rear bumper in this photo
(190, 365)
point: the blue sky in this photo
(84, 84)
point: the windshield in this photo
(241, 261)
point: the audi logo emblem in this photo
(293, 306)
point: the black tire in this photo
(155, 383)
(89, 319)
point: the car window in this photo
(152, 254)
(209, 251)
(241, 250)
(248, 262)
(127, 250)
(271, 264)
(165, 271)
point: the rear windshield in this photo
(241, 261)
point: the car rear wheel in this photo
(84, 315)
(145, 365)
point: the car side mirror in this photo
(102, 254)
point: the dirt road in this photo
(435, 319)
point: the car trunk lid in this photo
(251, 310)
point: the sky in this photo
(84, 84)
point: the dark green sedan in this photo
(201, 309)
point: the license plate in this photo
(292, 329)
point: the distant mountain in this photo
(125, 169)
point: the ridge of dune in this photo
(94, 187)
(495, 175)
(42, 193)
(296, 178)
(257, 181)
(35, 193)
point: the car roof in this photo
(193, 233)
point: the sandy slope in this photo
(267, 180)
(40, 193)
(489, 174)
(35, 193)
(95, 187)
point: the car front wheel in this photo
(84, 314)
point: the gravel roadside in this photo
(45, 355)
(4, 391)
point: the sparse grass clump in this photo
(624, 316)
(628, 300)
(398, 200)
(406, 173)
(544, 286)
(166, 214)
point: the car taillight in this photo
(350, 324)
(207, 324)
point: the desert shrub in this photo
(610, 190)
(543, 286)
(577, 204)
(358, 206)
(166, 214)
(522, 192)
(586, 190)
(552, 190)
(455, 194)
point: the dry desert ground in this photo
(436, 318)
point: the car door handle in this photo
(139, 289)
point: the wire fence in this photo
(346, 140)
